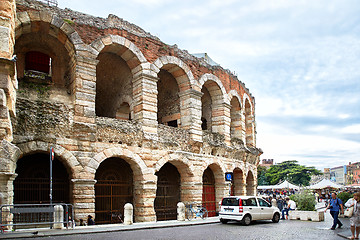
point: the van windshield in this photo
(230, 202)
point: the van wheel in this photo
(276, 218)
(246, 220)
(224, 221)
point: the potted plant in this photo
(305, 207)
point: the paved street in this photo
(261, 230)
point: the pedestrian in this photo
(90, 221)
(280, 203)
(290, 205)
(82, 223)
(334, 205)
(355, 219)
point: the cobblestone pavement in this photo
(286, 229)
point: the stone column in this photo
(8, 81)
(191, 190)
(84, 89)
(236, 122)
(83, 192)
(145, 103)
(221, 120)
(144, 197)
(7, 191)
(250, 130)
(190, 105)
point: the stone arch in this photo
(178, 69)
(218, 170)
(215, 106)
(222, 95)
(239, 181)
(249, 128)
(136, 163)
(175, 79)
(181, 163)
(124, 48)
(250, 183)
(235, 115)
(56, 28)
(139, 170)
(118, 61)
(71, 163)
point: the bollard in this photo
(128, 214)
(180, 211)
(273, 202)
(58, 217)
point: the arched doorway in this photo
(238, 183)
(250, 184)
(113, 189)
(208, 196)
(32, 185)
(167, 193)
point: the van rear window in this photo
(230, 202)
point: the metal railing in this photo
(50, 2)
(18, 216)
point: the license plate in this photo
(229, 210)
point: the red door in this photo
(208, 196)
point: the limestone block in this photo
(66, 28)
(56, 21)
(34, 16)
(23, 17)
(5, 39)
(307, 216)
(45, 16)
(128, 214)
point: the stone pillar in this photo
(145, 103)
(83, 192)
(250, 130)
(84, 89)
(221, 120)
(191, 189)
(7, 191)
(8, 81)
(236, 122)
(190, 105)
(145, 193)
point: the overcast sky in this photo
(300, 60)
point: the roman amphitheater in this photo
(130, 118)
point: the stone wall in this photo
(100, 64)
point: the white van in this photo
(246, 209)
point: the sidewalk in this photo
(42, 232)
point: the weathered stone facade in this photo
(117, 92)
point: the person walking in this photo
(334, 205)
(355, 219)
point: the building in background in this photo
(327, 173)
(267, 163)
(353, 174)
(337, 175)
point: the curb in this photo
(31, 233)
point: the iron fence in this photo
(18, 216)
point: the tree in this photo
(261, 171)
(291, 171)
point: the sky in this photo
(300, 60)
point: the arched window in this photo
(37, 61)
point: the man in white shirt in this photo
(291, 205)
